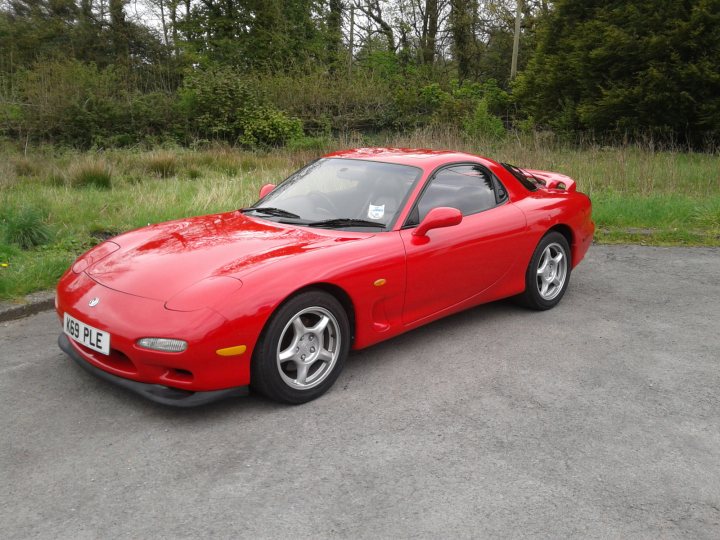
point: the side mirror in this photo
(437, 218)
(267, 188)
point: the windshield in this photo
(339, 193)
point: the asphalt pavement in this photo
(597, 419)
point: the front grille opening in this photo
(121, 360)
(116, 359)
(180, 375)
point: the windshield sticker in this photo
(376, 212)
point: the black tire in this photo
(292, 330)
(533, 297)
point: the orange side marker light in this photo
(231, 351)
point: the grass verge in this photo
(639, 195)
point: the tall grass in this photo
(24, 226)
(90, 171)
(163, 164)
(639, 193)
(638, 169)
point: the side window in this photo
(468, 188)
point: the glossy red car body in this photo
(215, 280)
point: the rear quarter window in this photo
(517, 173)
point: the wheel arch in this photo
(333, 290)
(567, 232)
(569, 235)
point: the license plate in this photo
(92, 338)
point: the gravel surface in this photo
(600, 418)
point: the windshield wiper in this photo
(345, 222)
(270, 211)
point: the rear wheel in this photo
(548, 273)
(303, 348)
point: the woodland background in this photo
(257, 73)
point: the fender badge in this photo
(94, 302)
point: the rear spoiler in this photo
(550, 180)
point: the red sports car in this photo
(355, 248)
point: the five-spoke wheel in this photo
(551, 271)
(548, 273)
(308, 348)
(303, 348)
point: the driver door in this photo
(459, 263)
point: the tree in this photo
(254, 34)
(428, 38)
(516, 39)
(374, 12)
(119, 30)
(334, 32)
(462, 17)
(630, 66)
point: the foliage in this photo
(267, 35)
(266, 126)
(69, 101)
(54, 29)
(329, 103)
(222, 105)
(261, 73)
(24, 227)
(628, 67)
(79, 104)
(6, 252)
(483, 124)
(453, 105)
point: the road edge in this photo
(30, 305)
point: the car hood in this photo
(161, 260)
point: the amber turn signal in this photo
(231, 351)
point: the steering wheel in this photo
(323, 203)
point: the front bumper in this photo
(154, 392)
(128, 318)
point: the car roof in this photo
(418, 157)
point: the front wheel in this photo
(548, 273)
(303, 348)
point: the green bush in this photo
(155, 116)
(79, 104)
(328, 103)
(452, 105)
(25, 227)
(265, 126)
(483, 124)
(70, 102)
(498, 100)
(222, 105)
(315, 144)
(12, 115)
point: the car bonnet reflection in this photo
(159, 261)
